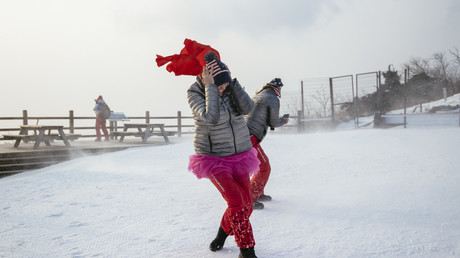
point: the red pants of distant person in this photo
(235, 220)
(100, 124)
(260, 179)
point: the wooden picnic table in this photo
(42, 133)
(143, 130)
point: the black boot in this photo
(218, 242)
(257, 205)
(247, 253)
(264, 198)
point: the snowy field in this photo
(354, 193)
(419, 116)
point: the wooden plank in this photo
(147, 133)
(20, 137)
(168, 133)
(139, 134)
(73, 136)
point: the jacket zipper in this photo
(231, 126)
(210, 143)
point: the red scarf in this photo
(190, 61)
(277, 91)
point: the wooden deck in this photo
(25, 157)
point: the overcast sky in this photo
(59, 55)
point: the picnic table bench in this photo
(143, 130)
(42, 133)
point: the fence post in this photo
(405, 98)
(331, 89)
(25, 120)
(301, 95)
(379, 94)
(179, 123)
(299, 120)
(147, 117)
(71, 122)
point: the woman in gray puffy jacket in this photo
(264, 115)
(223, 149)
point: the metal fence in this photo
(356, 97)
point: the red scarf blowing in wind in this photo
(190, 61)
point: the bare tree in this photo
(441, 65)
(308, 110)
(455, 69)
(445, 71)
(418, 66)
(323, 99)
(456, 55)
(294, 105)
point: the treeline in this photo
(428, 80)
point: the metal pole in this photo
(299, 121)
(405, 98)
(379, 95)
(303, 104)
(354, 103)
(378, 115)
(332, 99)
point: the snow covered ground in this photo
(350, 193)
(419, 116)
(353, 193)
(450, 101)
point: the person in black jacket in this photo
(223, 149)
(264, 115)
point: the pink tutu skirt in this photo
(238, 166)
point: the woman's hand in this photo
(207, 76)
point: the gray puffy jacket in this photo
(220, 128)
(265, 113)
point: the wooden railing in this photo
(84, 125)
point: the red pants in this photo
(100, 124)
(235, 220)
(259, 180)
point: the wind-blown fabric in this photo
(190, 61)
